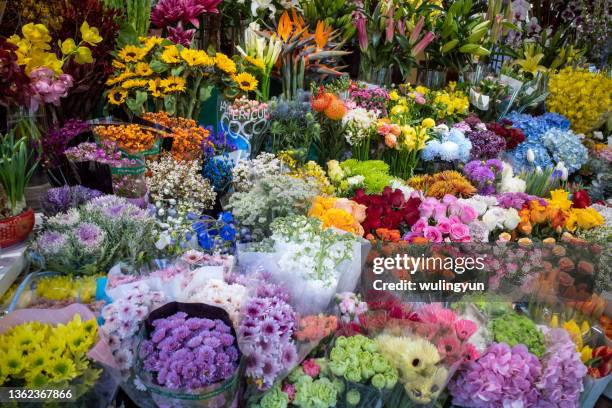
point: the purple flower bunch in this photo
(485, 144)
(265, 337)
(517, 200)
(501, 377)
(560, 384)
(373, 99)
(106, 153)
(61, 199)
(484, 174)
(190, 353)
(56, 141)
(175, 15)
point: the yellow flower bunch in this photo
(175, 78)
(33, 47)
(313, 173)
(67, 287)
(582, 218)
(49, 13)
(581, 96)
(453, 102)
(439, 184)
(339, 213)
(577, 333)
(38, 355)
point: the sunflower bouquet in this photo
(172, 77)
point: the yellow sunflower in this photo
(131, 53)
(117, 96)
(134, 83)
(225, 64)
(143, 69)
(197, 58)
(149, 42)
(246, 81)
(173, 84)
(120, 78)
(118, 64)
(170, 55)
(154, 88)
(257, 62)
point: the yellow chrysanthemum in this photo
(117, 96)
(62, 369)
(143, 69)
(171, 54)
(246, 81)
(131, 53)
(134, 83)
(197, 58)
(173, 84)
(225, 64)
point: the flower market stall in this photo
(306, 203)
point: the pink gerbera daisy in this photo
(465, 328)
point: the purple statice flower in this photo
(517, 200)
(89, 236)
(502, 377)
(484, 174)
(485, 144)
(190, 353)
(265, 339)
(61, 199)
(560, 384)
(51, 242)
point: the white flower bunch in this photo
(308, 250)
(490, 217)
(229, 297)
(246, 173)
(359, 124)
(180, 181)
(509, 183)
(122, 320)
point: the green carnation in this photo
(514, 329)
(321, 393)
(274, 398)
(379, 381)
(353, 397)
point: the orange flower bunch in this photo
(329, 104)
(384, 234)
(340, 213)
(131, 138)
(446, 182)
(316, 327)
(186, 134)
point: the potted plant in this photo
(17, 164)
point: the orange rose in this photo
(586, 267)
(566, 264)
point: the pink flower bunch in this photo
(443, 220)
(47, 88)
(448, 332)
(174, 15)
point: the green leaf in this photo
(158, 66)
(205, 92)
(170, 104)
(177, 71)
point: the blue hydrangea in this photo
(565, 146)
(535, 126)
(518, 156)
(453, 145)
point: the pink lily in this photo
(362, 34)
(416, 31)
(401, 27)
(390, 25)
(425, 41)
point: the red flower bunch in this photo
(14, 83)
(601, 364)
(513, 136)
(388, 210)
(581, 199)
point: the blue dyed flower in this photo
(228, 233)
(205, 241)
(227, 217)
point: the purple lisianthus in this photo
(89, 236)
(190, 353)
(517, 200)
(484, 174)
